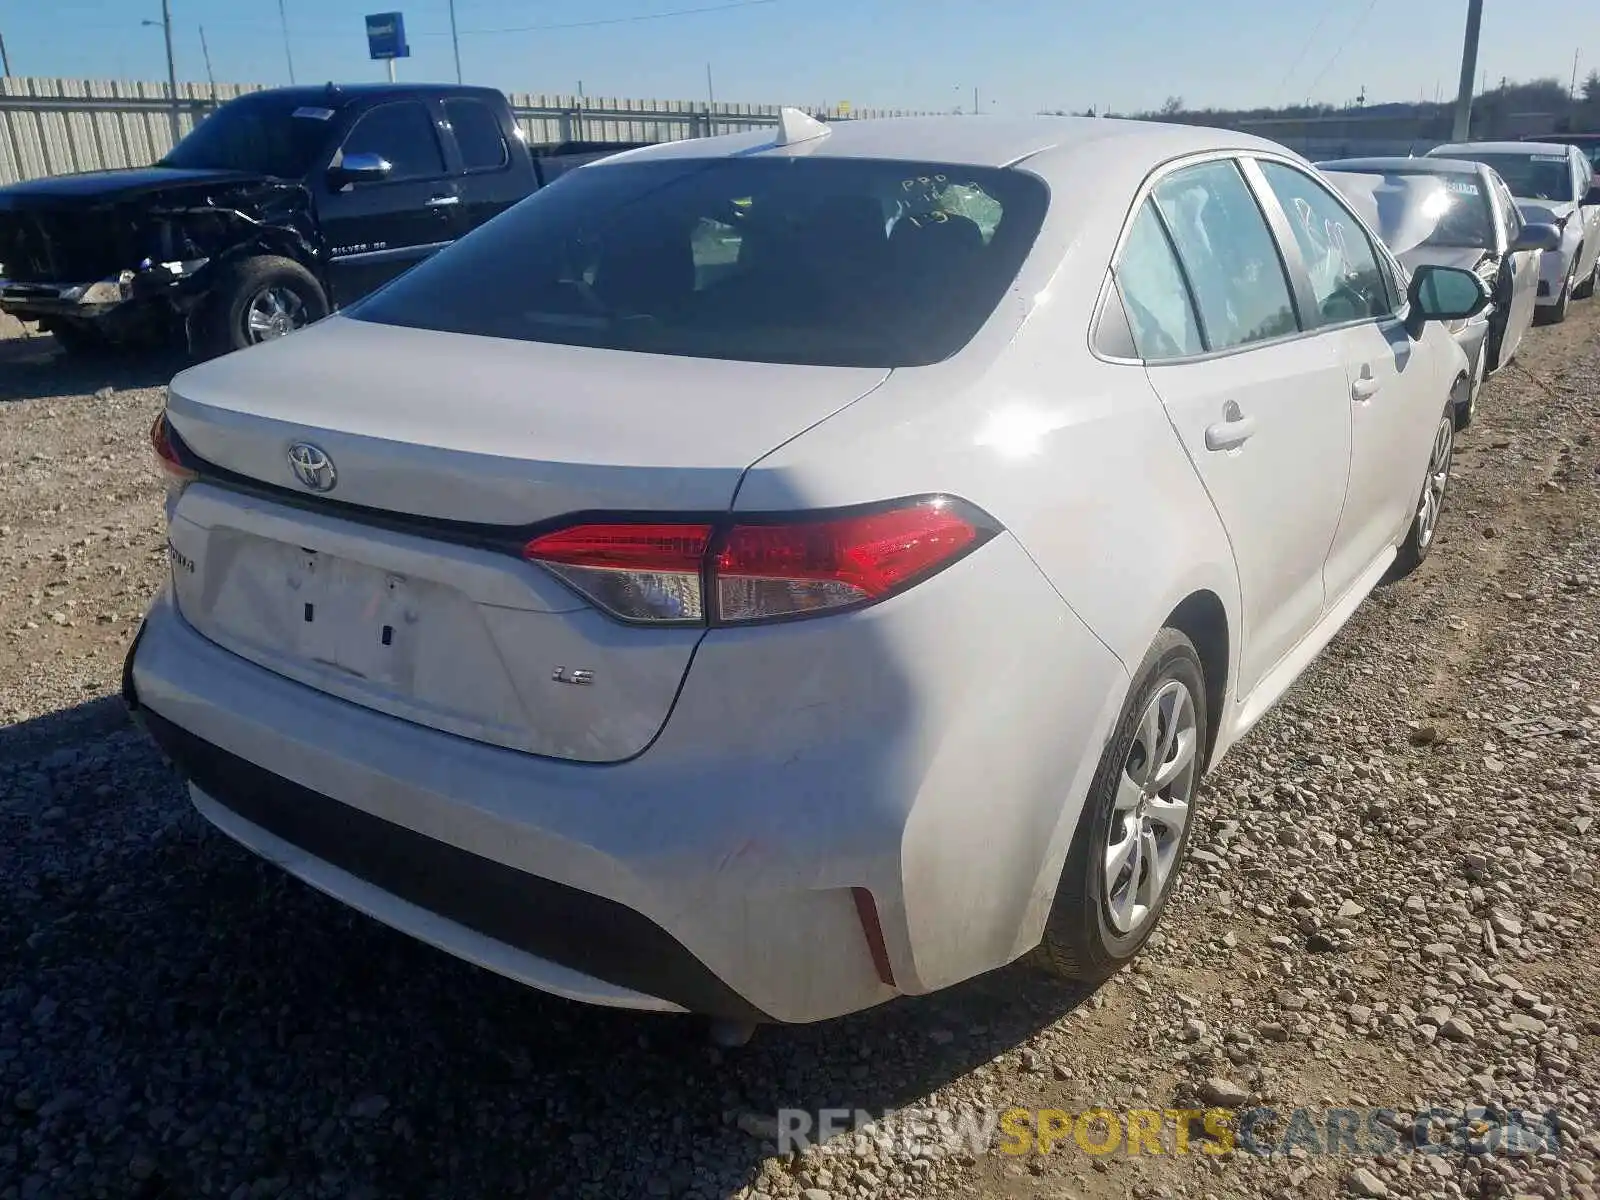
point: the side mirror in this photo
(1592, 196)
(1444, 294)
(1538, 237)
(359, 168)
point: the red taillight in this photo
(636, 572)
(167, 458)
(784, 567)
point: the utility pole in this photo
(5, 59)
(975, 102)
(172, 69)
(1572, 92)
(206, 50)
(455, 42)
(283, 20)
(711, 92)
(1469, 69)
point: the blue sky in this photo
(1022, 55)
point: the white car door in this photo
(1260, 409)
(1391, 390)
(1589, 214)
(1521, 269)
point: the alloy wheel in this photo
(1438, 478)
(274, 311)
(1151, 807)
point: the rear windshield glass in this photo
(1418, 208)
(848, 262)
(267, 135)
(1532, 176)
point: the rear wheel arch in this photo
(1203, 619)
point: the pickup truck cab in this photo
(278, 208)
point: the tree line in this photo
(1547, 96)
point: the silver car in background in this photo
(1552, 183)
(1456, 213)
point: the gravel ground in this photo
(1391, 904)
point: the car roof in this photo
(1566, 139)
(970, 141)
(333, 95)
(1458, 149)
(1417, 166)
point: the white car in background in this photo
(763, 576)
(1553, 185)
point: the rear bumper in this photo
(559, 930)
(722, 871)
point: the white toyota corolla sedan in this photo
(766, 575)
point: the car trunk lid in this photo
(400, 588)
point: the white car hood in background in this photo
(1404, 211)
(498, 431)
(1466, 258)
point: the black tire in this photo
(1080, 940)
(1586, 289)
(221, 325)
(1420, 539)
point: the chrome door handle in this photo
(1233, 431)
(1364, 389)
(443, 201)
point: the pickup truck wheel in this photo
(258, 300)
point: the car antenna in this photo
(795, 126)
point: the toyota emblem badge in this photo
(312, 467)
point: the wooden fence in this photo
(55, 126)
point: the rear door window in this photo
(402, 134)
(1228, 255)
(851, 262)
(478, 134)
(1345, 277)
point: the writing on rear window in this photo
(1461, 186)
(1561, 158)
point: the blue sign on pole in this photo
(386, 36)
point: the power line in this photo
(1354, 29)
(1315, 29)
(248, 23)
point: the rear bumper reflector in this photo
(872, 927)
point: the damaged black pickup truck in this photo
(278, 208)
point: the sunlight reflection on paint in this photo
(1019, 431)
